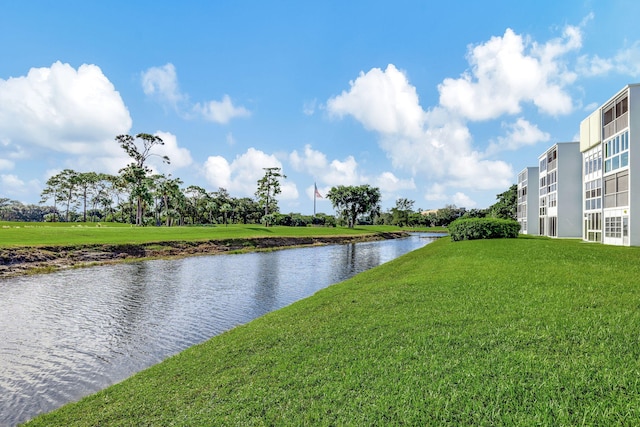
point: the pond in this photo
(69, 334)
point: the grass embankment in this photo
(28, 248)
(493, 332)
(66, 234)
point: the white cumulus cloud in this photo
(521, 133)
(162, 84)
(330, 173)
(505, 73)
(389, 183)
(59, 108)
(6, 164)
(435, 144)
(462, 200)
(312, 161)
(179, 157)
(510, 70)
(220, 111)
(241, 175)
(13, 186)
(383, 101)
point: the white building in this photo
(560, 189)
(527, 210)
(610, 200)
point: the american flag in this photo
(317, 193)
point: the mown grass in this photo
(526, 331)
(34, 234)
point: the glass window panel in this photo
(624, 159)
(607, 165)
(616, 163)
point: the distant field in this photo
(505, 332)
(41, 234)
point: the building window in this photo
(553, 226)
(615, 117)
(594, 227)
(613, 227)
(593, 194)
(616, 190)
(552, 178)
(552, 156)
(616, 152)
(522, 177)
(593, 161)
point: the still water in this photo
(69, 334)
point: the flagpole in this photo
(315, 191)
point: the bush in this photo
(483, 228)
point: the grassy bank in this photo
(501, 332)
(39, 234)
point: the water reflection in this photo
(69, 334)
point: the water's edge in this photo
(17, 261)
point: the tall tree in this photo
(507, 205)
(268, 189)
(87, 182)
(51, 191)
(221, 204)
(103, 194)
(401, 211)
(248, 210)
(448, 214)
(119, 195)
(62, 187)
(168, 190)
(139, 148)
(352, 201)
(197, 199)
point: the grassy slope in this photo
(33, 234)
(503, 332)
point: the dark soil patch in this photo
(28, 260)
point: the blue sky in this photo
(439, 102)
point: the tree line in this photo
(138, 196)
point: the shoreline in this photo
(26, 260)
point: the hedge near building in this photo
(483, 228)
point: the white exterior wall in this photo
(569, 209)
(562, 217)
(621, 221)
(634, 165)
(528, 203)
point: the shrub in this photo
(483, 228)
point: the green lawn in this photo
(34, 234)
(527, 331)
